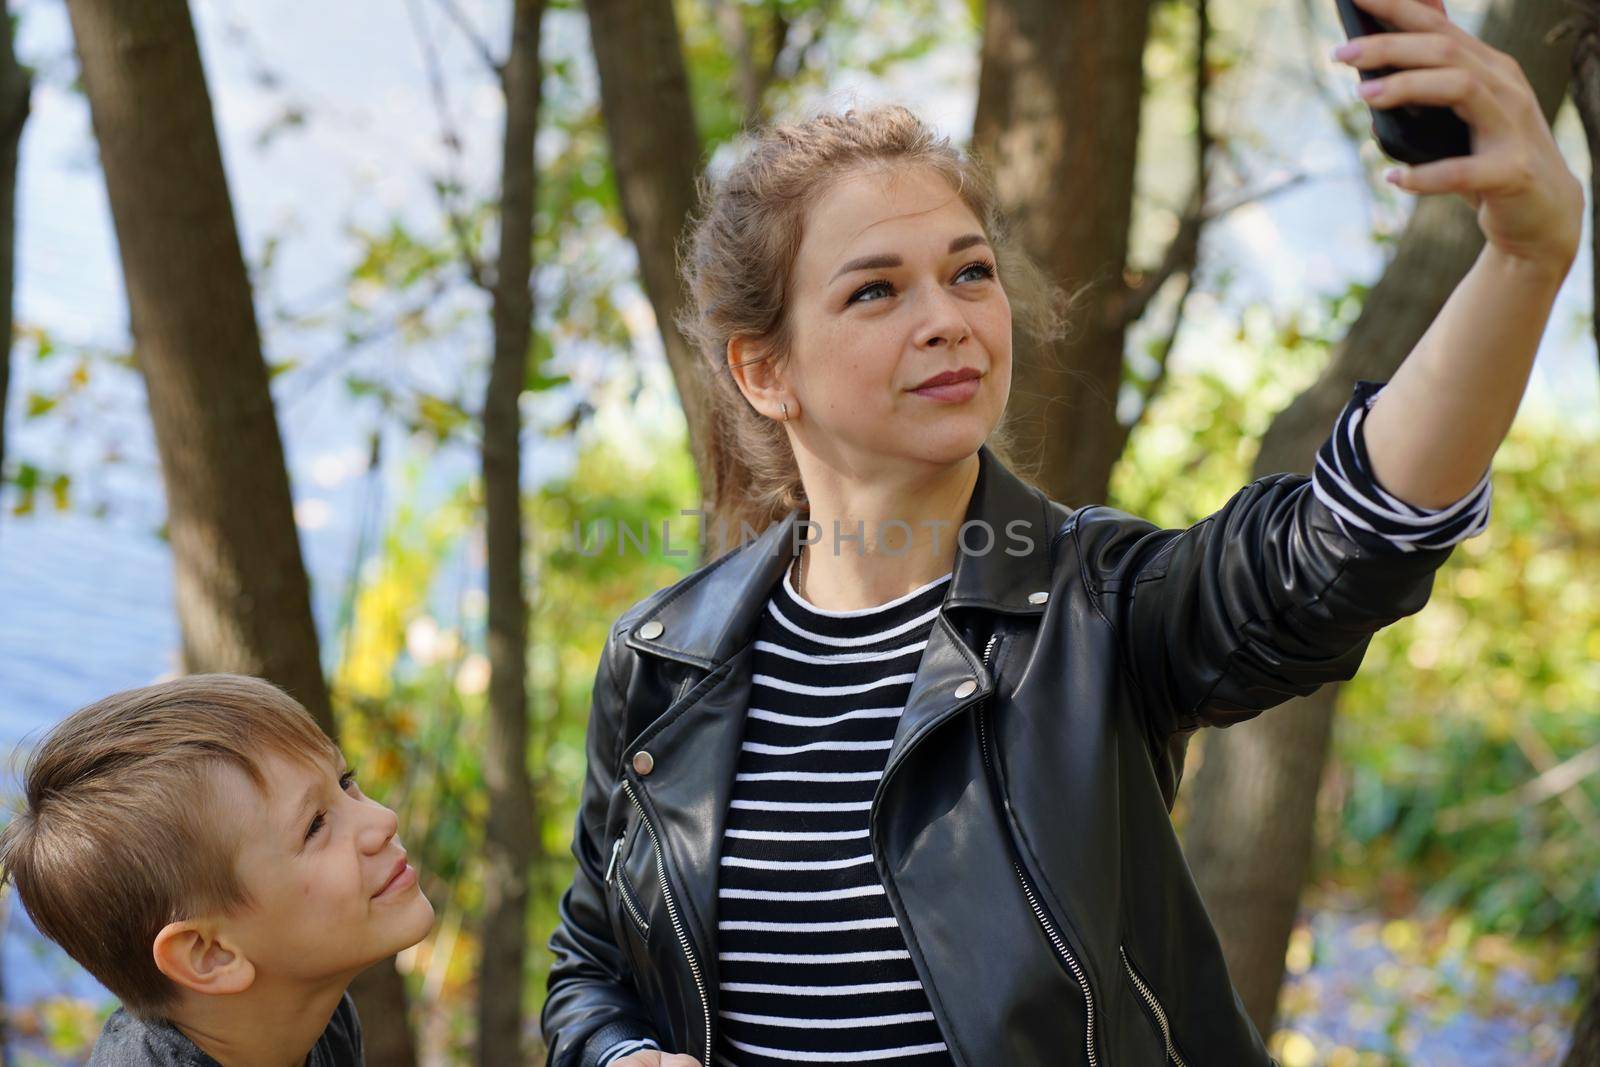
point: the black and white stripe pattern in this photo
(1343, 480)
(811, 963)
(626, 1047)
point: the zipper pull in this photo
(616, 849)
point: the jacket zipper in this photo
(623, 891)
(672, 913)
(1155, 1008)
(1033, 900)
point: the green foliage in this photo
(636, 480)
(410, 684)
(1196, 445)
(801, 48)
(1457, 708)
(30, 481)
(394, 258)
(1493, 683)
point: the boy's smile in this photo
(401, 878)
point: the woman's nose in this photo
(945, 325)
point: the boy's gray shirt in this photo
(127, 1041)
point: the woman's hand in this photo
(652, 1058)
(1529, 203)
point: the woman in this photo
(891, 781)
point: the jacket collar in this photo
(713, 614)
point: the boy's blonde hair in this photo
(121, 834)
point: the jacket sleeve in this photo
(1270, 597)
(592, 1013)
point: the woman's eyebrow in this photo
(882, 260)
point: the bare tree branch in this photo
(1190, 226)
(778, 38)
(755, 78)
(454, 13)
(728, 15)
(1552, 782)
(448, 190)
(1183, 254)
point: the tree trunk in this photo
(1059, 96)
(655, 153)
(509, 838)
(1585, 21)
(242, 594)
(1250, 832)
(16, 91)
(1585, 27)
(1585, 1050)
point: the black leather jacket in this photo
(1021, 826)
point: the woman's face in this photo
(894, 284)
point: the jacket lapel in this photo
(713, 616)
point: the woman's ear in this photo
(197, 957)
(755, 371)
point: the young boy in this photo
(200, 847)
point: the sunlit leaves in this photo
(1496, 680)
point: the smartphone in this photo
(1410, 133)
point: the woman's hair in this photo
(738, 261)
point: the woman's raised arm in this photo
(1444, 412)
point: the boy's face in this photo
(331, 887)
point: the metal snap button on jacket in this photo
(1038, 598)
(643, 762)
(966, 688)
(650, 630)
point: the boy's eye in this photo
(347, 779)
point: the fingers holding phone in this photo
(1409, 132)
(1529, 202)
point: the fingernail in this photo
(1348, 50)
(1368, 89)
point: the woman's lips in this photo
(403, 878)
(953, 393)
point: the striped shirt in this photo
(812, 966)
(811, 962)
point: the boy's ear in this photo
(197, 957)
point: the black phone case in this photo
(1409, 133)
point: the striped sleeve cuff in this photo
(626, 1047)
(1344, 482)
(621, 1036)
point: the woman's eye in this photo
(869, 288)
(980, 271)
(316, 824)
(347, 779)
